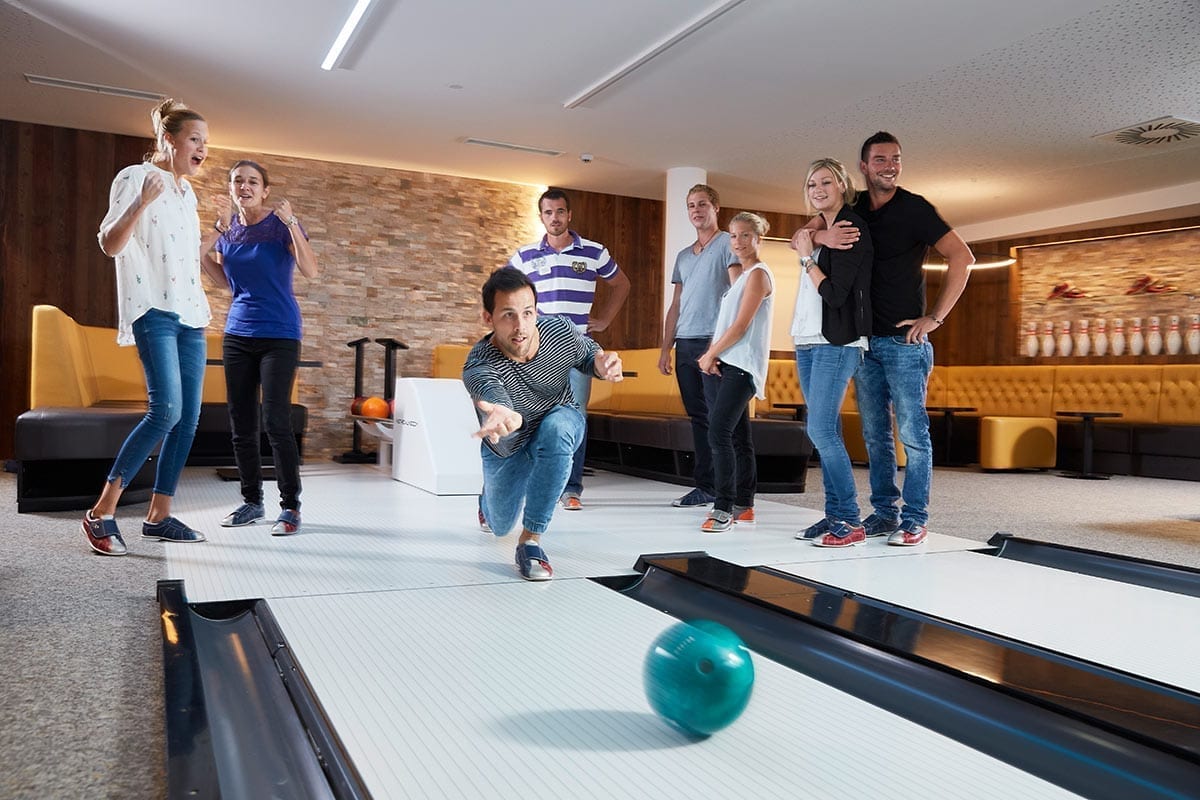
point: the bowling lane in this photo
(1143, 631)
(515, 690)
(364, 532)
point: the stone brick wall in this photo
(401, 255)
(1102, 271)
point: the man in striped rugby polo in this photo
(564, 267)
(519, 377)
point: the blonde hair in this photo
(839, 173)
(760, 225)
(703, 188)
(169, 117)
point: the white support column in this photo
(678, 232)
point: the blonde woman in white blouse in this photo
(152, 231)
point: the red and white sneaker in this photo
(842, 534)
(571, 502)
(743, 515)
(909, 534)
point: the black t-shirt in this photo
(902, 230)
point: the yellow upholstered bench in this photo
(1017, 426)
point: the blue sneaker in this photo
(695, 497)
(170, 529)
(533, 563)
(287, 524)
(245, 514)
(818, 528)
(103, 535)
(876, 525)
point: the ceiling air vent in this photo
(519, 148)
(1164, 130)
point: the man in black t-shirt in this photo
(895, 370)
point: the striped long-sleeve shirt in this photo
(532, 388)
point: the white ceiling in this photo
(996, 104)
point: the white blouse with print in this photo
(159, 266)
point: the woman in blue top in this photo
(257, 253)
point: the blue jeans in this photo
(698, 391)
(894, 377)
(173, 359)
(825, 371)
(581, 387)
(735, 472)
(534, 476)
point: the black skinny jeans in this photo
(735, 473)
(252, 363)
(699, 393)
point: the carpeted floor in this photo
(81, 655)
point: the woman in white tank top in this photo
(739, 353)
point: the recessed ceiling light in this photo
(97, 88)
(520, 148)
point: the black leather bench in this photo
(660, 446)
(64, 454)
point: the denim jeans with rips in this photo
(173, 357)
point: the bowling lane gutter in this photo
(1083, 753)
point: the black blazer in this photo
(846, 290)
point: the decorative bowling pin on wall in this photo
(1154, 339)
(1118, 337)
(1174, 336)
(1100, 340)
(1083, 341)
(1193, 337)
(1137, 342)
(1047, 339)
(1031, 340)
(1064, 338)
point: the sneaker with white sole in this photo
(571, 502)
(743, 515)
(287, 523)
(909, 534)
(718, 522)
(532, 562)
(842, 534)
(103, 535)
(877, 525)
(818, 528)
(170, 529)
(245, 514)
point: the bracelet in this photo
(940, 322)
(217, 226)
(291, 221)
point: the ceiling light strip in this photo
(652, 53)
(96, 88)
(520, 148)
(334, 56)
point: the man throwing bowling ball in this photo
(519, 377)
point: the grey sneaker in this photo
(718, 522)
(818, 528)
(287, 523)
(880, 526)
(694, 498)
(245, 514)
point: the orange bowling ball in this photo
(375, 407)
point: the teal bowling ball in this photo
(698, 676)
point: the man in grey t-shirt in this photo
(703, 273)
